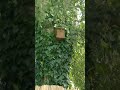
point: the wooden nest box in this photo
(59, 33)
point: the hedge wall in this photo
(53, 57)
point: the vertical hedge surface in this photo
(53, 58)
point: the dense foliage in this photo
(77, 71)
(16, 45)
(55, 58)
(102, 45)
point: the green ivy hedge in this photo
(53, 58)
